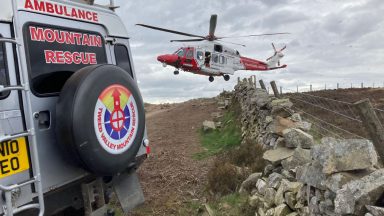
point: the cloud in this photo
(330, 41)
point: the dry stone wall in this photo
(304, 176)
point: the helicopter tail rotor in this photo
(277, 55)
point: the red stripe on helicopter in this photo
(253, 64)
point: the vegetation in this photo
(233, 164)
(215, 141)
(230, 205)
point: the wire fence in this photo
(334, 113)
(330, 117)
(334, 86)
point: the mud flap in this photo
(128, 191)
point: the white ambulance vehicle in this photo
(72, 121)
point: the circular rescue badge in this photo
(115, 119)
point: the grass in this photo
(191, 207)
(232, 165)
(232, 205)
(216, 141)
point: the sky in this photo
(340, 41)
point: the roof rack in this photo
(111, 5)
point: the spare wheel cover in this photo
(101, 118)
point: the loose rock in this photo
(311, 174)
(275, 156)
(354, 195)
(261, 185)
(337, 155)
(375, 210)
(274, 180)
(299, 158)
(250, 182)
(282, 210)
(208, 125)
(297, 138)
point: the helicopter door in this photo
(215, 62)
(207, 59)
(199, 57)
(189, 56)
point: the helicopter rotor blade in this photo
(274, 48)
(283, 48)
(256, 35)
(188, 40)
(212, 25)
(232, 43)
(170, 31)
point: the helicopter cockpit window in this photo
(218, 48)
(180, 53)
(199, 55)
(215, 58)
(189, 54)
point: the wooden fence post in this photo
(372, 125)
(238, 80)
(337, 85)
(250, 80)
(262, 85)
(254, 80)
(274, 88)
(281, 90)
(310, 87)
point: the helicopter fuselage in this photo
(214, 59)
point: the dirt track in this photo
(170, 176)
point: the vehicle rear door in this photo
(47, 76)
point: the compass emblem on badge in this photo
(115, 119)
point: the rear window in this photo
(3, 70)
(122, 58)
(55, 53)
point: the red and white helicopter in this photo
(211, 58)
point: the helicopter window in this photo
(199, 55)
(189, 54)
(215, 58)
(122, 58)
(218, 48)
(180, 53)
(223, 60)
(3, 70)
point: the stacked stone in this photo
(255, 107)
(333, 177)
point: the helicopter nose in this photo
(167, 59)
(161, 58)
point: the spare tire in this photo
(100, 119)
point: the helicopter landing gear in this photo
(226, 77)
(211, 79)
(176, 72)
